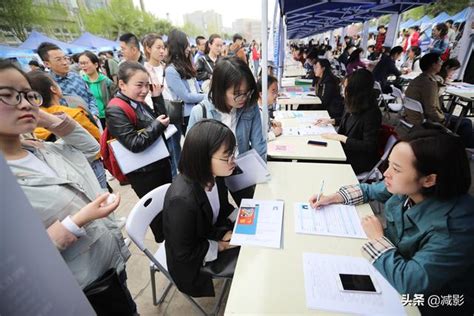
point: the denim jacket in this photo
(248, 130)
(180, 90)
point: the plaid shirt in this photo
(373, 249)
(72, 84)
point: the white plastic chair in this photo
(413, 105)
(137, 225)
(398, 95)
(375, 173)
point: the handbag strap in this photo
(204, 112)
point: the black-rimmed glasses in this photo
(13, 97)
(243, 96)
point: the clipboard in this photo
(254, 170)
(129, 161)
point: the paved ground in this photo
(138, 272)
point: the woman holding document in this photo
(232, 100)
(196, 221)
(427, 246)
(150, 126)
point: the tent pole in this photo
(264, 68)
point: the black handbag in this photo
(175, 111)
(108, 296)
(224, 265)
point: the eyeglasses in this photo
(243, 96)
(230, 160)
(12, 97)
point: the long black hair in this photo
(177, 44)
(359, 92)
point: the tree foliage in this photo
(21, 15)
(120, 17)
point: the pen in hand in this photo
(320, 191)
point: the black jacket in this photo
(204, 67)
(384, 68)
(187, 226)
(136, 138)
(362, 130)
(328, 90)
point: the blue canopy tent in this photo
(36, 38)
(307, 17)
(22, 56)
(421, 21)
(95, 42)
(407, 24)
(440, 18)
(460, 16)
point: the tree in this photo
(21, 15)
(120, 17)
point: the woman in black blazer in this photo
(196, 210)
(360, 123)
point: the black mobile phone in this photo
(357, 283)
(236, 171)
(317, 143)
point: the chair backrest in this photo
(388, 146)
(397, 93)
(413, 105)
(143, 213)
(377, 86)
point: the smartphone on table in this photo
(357, 283)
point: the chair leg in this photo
(153, 288)
(195, 304)
(225, 286)
(153, 284)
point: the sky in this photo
(230, 10)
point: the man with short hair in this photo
(387, 67)
(201, 47)
(110, 65)
(70, 82)
(425, 90)
(130, 47)
(236, 49)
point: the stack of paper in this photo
(308, 130)
(129, 161)
(331, 220)
(254, 170)
(321, 273)
(258, 223)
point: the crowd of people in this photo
(51, 124)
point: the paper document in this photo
(258, 223)
(331, 220)
(129, 161)
(170, 130)
(254, 170)
(321, 273)
(308, 130)
(288, 114)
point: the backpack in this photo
(110, 162)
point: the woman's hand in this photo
(338, 137)
(45, 119)
(156, 89)
(277, 130)
(373, 227)
(163, 119)
(224, 243)
(276, 123)
(96, 209)
(335, 198)
(324, 122)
